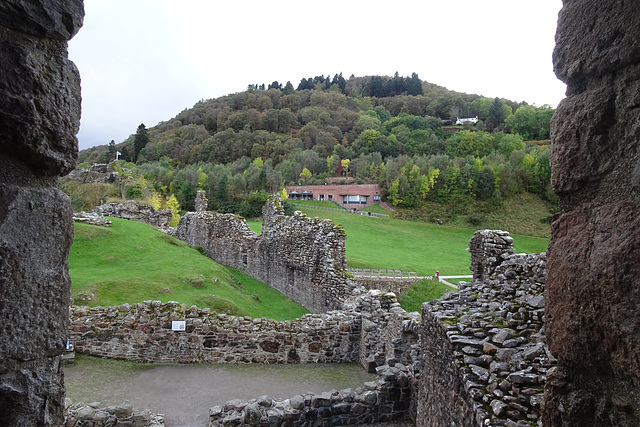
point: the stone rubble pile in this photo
(92, 414)
(384, 400)
(133, 211)
(91, 218)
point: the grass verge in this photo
(423, 291)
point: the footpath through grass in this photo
(132, 262)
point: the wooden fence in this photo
(385, 273)
(323, 208)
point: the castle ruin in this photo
(591, 298)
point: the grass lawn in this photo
(412, 245)
(425, 290)
(132, 262)
(377, 209)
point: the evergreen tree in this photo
(496, 115)
(140, 140)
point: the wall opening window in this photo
(359, 200)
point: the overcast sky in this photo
(144, 61)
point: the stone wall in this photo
(132, 210)
(143, 333)
(80, 414)
(489, 248)
(301, 257)
(39, 118)
(593, 291)
(386, 284)
(483, 352)
(96, 173)
(387, 399)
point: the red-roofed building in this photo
(350, 196)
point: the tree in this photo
(305, 174)
(288, 88)
(530, 122)
(172, 203)
(496, 115)
(345, 165)
(112, 150)
(140, 140)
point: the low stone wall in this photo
(301, 257)
(387, 399)
(386, 284)
(143, 333)
(80, 414)
(131, 210)
(484, 350)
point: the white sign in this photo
(178, 325)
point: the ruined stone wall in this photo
(39, 118)
(593, 291)
(93, 415)
(143, 333)
(385, 400)
(386, 284)
(97, 173)
(301, 257)
(483, 353)
(489, 248)
(132, 210)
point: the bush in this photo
(202, 250)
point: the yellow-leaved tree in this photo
(156, 200)
(172, 203)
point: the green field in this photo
(132, 262)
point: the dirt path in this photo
(184, 393)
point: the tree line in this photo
(242, 146)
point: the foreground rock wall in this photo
(301, 257)
(593, 291)
(39, 118)
(483, 353)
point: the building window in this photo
(376, 198)
(359, 200)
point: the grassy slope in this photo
(426, 290)
(412, 245)
(132, 262)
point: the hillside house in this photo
(461, 121)
(350, 196)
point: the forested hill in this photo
(397, 131)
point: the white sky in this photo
(144, 61)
